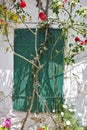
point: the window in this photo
(50, 78)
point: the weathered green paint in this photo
(50, 76)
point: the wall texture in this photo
(75, 82)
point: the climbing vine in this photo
(65, 15)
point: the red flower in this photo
(85, 41)
(77, 39)
(82, 43)
(22, 4)
(42, 16)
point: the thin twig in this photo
(37, 56)
(54, 46)
(32, 100)
(27, 26)
(25, 59)
(39, 5)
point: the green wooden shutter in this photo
(50, 77)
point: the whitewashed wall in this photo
(6, 61)
(6, 71)
(75, 86)
(75, 82)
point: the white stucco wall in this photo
(6, 61)
(75, 81)
(6, 71)
(75, 87)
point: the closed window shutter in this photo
(50, 76)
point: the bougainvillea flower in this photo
(77, 39)
(85, 41)
(22, 4)
(82, 43)
(42, 16)
(7, 123)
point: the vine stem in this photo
(37, 56)
(32, 101)
(54, 46)
(27, 26)
(46, 108)
(25, 59)
(34, 82)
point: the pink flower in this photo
(42, 16)
(77, 39)
(22, 4)
(7, 123)
(65, 1)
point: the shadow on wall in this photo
(5, 91)
(81, 99)
(23, 87)
(76, 92)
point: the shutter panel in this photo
(50, 77)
